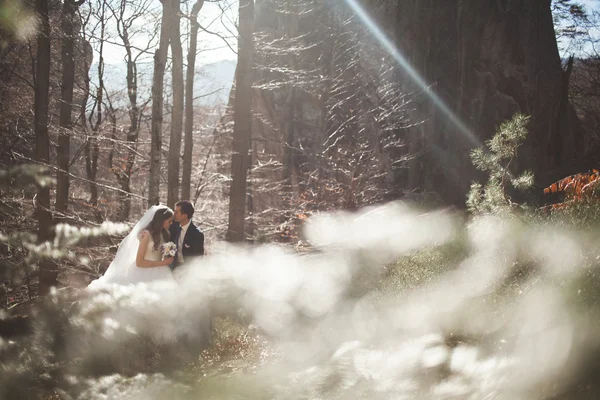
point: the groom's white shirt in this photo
(180, 244)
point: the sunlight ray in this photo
(411, 72)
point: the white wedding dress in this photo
(124, 270)
(149, 300)
(150, 274)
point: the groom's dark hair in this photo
(186, 208)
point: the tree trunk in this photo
(123, 167)
(66, 106)
(177, 112)
(250, 227)
(288, 129)
(92, 146)
(289, 126)
(241, 123)
(48, 271)
(487, 60)
(160, 61)
(92, 150)
(84, 100)
(326, 69)
(188, 141)
(124, 171)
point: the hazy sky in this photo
(580, 48)
(212, 48)
(214, 19)
(220, 18)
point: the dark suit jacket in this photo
(193, 242)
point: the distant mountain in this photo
(211, 86)
(215, 77)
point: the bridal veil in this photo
(125, 259)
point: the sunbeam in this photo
(412, 73)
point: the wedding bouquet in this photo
(168, 249)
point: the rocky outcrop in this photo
(486, 60)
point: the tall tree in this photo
(160, 61)
(66, 105)
(241, 123)
(292, 107)
(92, 146)
(48, 271)
(126, 15)
(87, 58)
(188, 141)
(177, 110)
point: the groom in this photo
(188, 238)
(190, 243)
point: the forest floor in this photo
(236, 346)
(240, 352)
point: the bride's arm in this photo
(143, 263)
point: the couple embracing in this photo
(154, 251)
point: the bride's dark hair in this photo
(155, 227)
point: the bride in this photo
(139, 258)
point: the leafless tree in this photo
(95, 118)
(48, 270)
(160, 61)
(189, 101)
(126, 14)
(242, 122)
(66, 105)
(177, 107)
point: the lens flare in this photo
(393, 50)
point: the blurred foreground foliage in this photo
(20, 249)
(495, 285)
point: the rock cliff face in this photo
(486, 59)
(323, 103)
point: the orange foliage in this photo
(576, 187)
